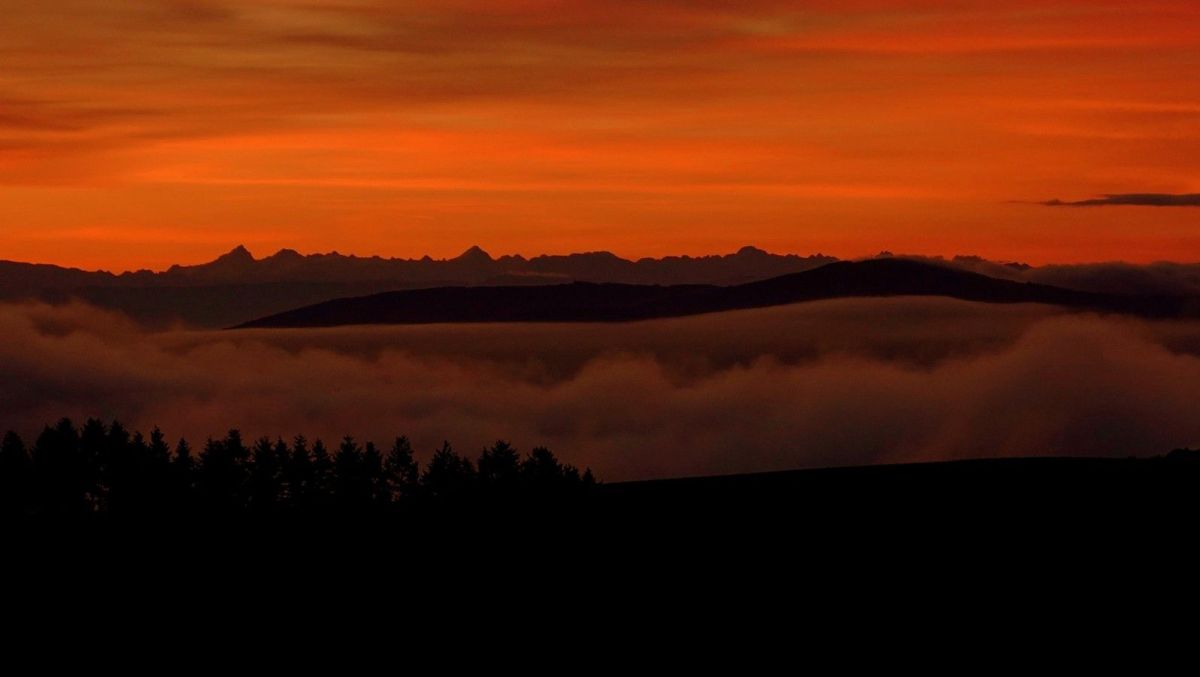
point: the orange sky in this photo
(140, 134)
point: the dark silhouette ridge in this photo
(584, 302)
(961, 478)
(1029, 503)
(236, 287)
(473, 266)
(105, 475)
(1132, 200)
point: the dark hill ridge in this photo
(966, 478)
(587, 302)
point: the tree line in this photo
(98, 469)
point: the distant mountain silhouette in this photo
(475, 266)
(236, 287)
(590, 302)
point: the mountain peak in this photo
(474, 255)
(597, 255)
(238, 254)
(750, 250)
(286, 254)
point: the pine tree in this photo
(372, 467)
(15, 476)
(401, 470)
(264, 477)
(322, 475)
(298, 474)
(499, 468)
(448, 475)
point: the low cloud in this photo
(830, 383)
(1133, 199)
(1161, 278)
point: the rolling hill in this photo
(591, 302)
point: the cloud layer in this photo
(861, 381)
(1133, 200)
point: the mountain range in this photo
(473, 266)
(236, 287)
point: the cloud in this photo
(1160, 278)
(832, 383)
(1133, 199)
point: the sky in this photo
(137, 134)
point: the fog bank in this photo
(828, 383)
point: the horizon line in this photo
(240, 250)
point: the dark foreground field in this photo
(981, 532)
(984, 485)
(1036, 496)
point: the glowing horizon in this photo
(143, 134)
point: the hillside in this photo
(587, 302)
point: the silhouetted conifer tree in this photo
(401, 471)
(351, 489)
(499, 469)
(64, 485)
(15, 476)
(298, 474)
(282, 456)
(448, 475)
(541, 469)
(221, 476)
(322, 476)
(379, 493)
(94, 449)
(265, 475)
(70, 473)
(181, 478)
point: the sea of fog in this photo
(817, 384)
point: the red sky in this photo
(144, 133)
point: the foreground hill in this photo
(1030, 488)
(586, 302)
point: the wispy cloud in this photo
(1132, 200)
(351, 124)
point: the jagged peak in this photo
(238, 254)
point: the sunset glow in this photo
(140, 134)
